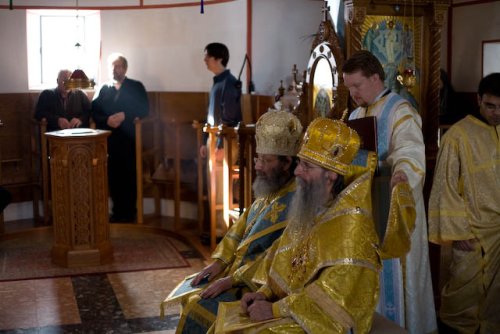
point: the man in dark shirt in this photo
(225, 97)
(63, 108)
(224, 108)
(115, 108)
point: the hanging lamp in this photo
(78, 78)
(408, 77)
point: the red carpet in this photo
(27, 255)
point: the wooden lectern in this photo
(79, 180)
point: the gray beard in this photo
(263, 185)
(307, 200)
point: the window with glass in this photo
(62, 39)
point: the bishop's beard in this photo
(308, 198)
(266, 185)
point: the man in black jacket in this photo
(63, 108)
(115, 108)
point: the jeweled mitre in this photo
(278, 132)
(330, 144)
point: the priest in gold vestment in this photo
(278, 136)
(321, 276)
(464, 213)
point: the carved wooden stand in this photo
(78, 166)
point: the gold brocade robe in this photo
(465, 204)
(253, 233)
(327, 281)
(244, 243)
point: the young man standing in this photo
(464, 212)
(224, 109)
(225, 97)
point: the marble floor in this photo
(125, 302)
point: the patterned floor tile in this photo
(124, 303)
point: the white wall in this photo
(282, 37)
(13, 52)
(165, 46)
(471, 25)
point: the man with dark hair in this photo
(63, 108)
(406, 298)
(224, 108)
(224, 100)
(464, 213)
(366, 63)
(115, 108)
(218, 51)
(278, 136)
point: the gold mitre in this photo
(278, 132)
(330, 144)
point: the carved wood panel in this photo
(78, 165)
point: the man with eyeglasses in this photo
(277, 138)
(464, 213)
(63, 108)
(321, 275)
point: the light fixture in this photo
(78, 78)
(408, 77)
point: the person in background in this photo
(406, 298)
(278, 136)
(464, 213)
(225, 96)
(63, 108)
(224, 108)
(115, 108)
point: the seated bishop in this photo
(321, 276)
(228, 277)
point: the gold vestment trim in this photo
(329, 306)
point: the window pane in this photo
(59, 36)
(52, 39)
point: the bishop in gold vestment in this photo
(464, 212)
(277, 137)
(321, 276)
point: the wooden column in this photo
(430, 120)
(78, 164)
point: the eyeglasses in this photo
(263, 161)
(306, 166)
(490, 107)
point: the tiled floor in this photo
(98, 303)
